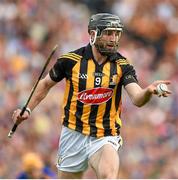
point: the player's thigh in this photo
(72, 156)
(105, 162)
(70, 175)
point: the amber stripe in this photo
(75, 79)
(65, 100)
(75, 55)
(71, 57)
(113, 111)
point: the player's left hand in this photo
(153, 88)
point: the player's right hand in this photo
(17, 118)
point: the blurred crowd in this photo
(29, 29)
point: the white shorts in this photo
(75, 149)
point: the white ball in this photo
(161, 88)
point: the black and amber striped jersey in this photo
(92, 99)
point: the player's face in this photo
(109, 40)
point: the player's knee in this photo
(69, 175)
(110, 173)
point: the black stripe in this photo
(117, 102)
(92, 120)
(106, 117)
(81, 86)
(117, 126)
(118, 92)
(94, 108)
(118, 97)
(67, 107)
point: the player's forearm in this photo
(40, 93)
(142, 97)
(138, 95)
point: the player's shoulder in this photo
(75, 55)
(121, 60)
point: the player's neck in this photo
(98, 57)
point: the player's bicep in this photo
(48, 82)
(57, 72)
(129, 81)
(129, 75)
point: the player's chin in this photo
(111, 49)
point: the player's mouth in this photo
(110, 46)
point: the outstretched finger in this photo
(167, 82)
(165, 95)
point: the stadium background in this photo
(28, 31)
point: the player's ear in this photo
(93, 35)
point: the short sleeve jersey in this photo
(92, 99)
